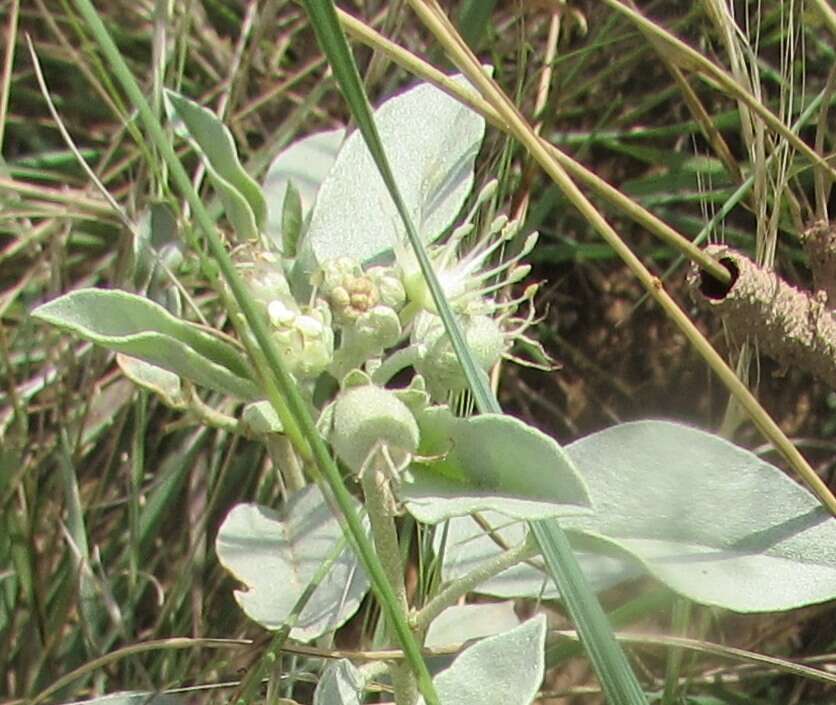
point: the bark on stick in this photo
(820, 245)
(793, 327)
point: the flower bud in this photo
(438, 363)
(380, 327)
(367, 418)
(389, 286)
(349, 291)
(265, 280)
(306, 339)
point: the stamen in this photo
(482, 251)
(499, 223)
(487, 192)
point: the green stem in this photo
(286, 461)
(279, 386)
(680, 620)
(209, 416)
(465, 584)
(380, 504)
(394, 363)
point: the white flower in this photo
(473, 282)
(305, 337)
(303, 333)
(470, 279)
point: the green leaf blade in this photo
(493, 462)
(133, 325)
(218, 148)
(711, 520)
(506, 669)
(354, 214)
(619, 683)
(277, 554)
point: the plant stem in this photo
(380, 504)
(209, 416)
(460, 587)
(286, 461)
(681, 618)
(394, 363)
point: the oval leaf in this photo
(712, 521)
(506, 669)
(461, 623)
(133, 325)
(277, 554)
(491, 461)
(431, 141)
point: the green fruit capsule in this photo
(369, 419)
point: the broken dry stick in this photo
(820, 245)
(793, 327)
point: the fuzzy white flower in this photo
(468, 275)
(303, 333)
(305, 337)
(473, 280)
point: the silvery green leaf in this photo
(130, 324)
(505, 669)
(155, 379)
(305, 163)
(467, 546)
(490, 461)
(237, 209)
(240, 193)
(431, 142)
(709, 519)
(340, 684)
(277, 554)
(461, 623)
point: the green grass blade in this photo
(617, 678)
(474, 18)
(91, 609)
(281, 388)
(335, 46)
(609, 660)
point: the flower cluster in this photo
(364, 325)
(382, 319)
(304, 333)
